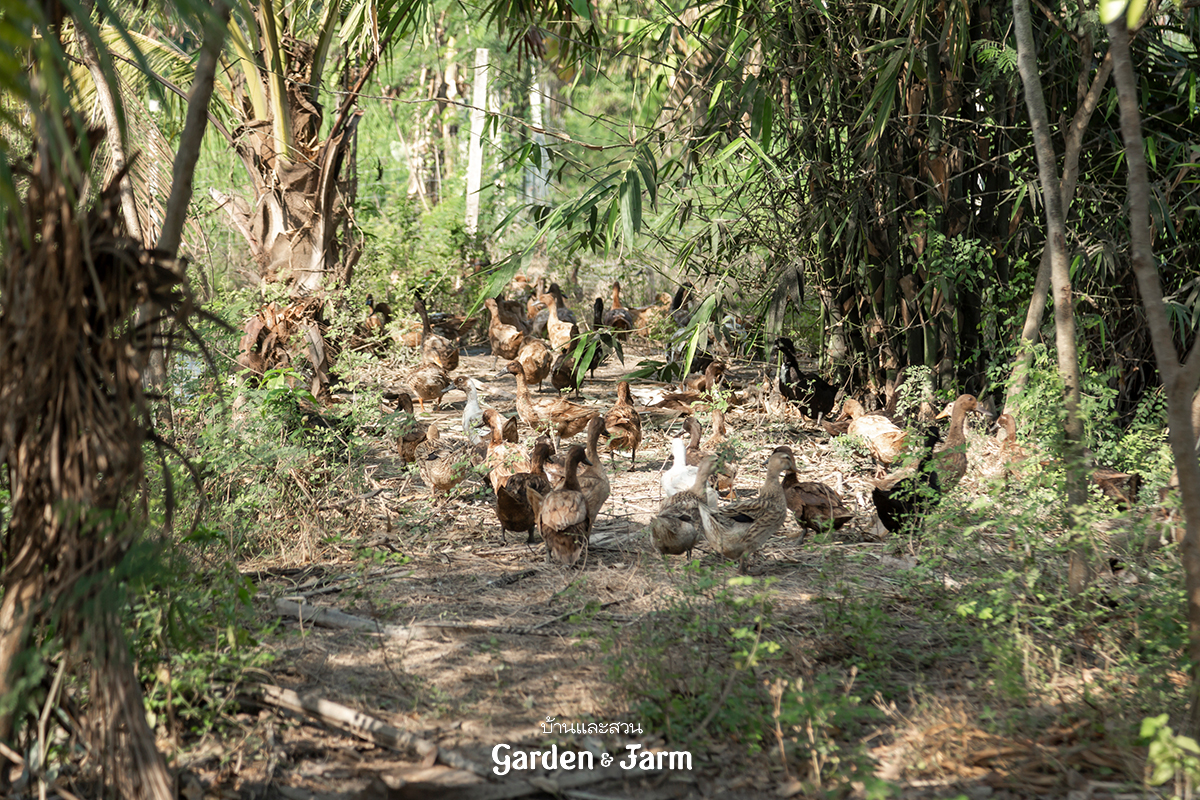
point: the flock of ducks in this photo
(557, 493)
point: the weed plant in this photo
(707, 665)
(993, 578)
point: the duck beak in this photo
(503, 371)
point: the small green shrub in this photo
(693, 665)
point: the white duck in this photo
(472, 418)
(681, 477)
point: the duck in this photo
(904, 496)
(443, 465)
(503, 458)
(719, 435)
(379, 314)
(548, 414)
(814, 505)
(647, 318)
(414, 431)
(950, 462)
(506, 340)
(681, 305)
(725, 475)
(618, 317)
(562, 514)
(739, 528)
(559, 329)
(624, 425)
(811, 393)
(704, 382)
(883, 436)
(513, 508)
(563, 375)
(472, 419)
(535, 361)
(1006, 436)
(428, 382)
(512, 312)
(681, 475)
(677, 526)
(472, 416)
(534, 305)
(593, 481)
(435, 349)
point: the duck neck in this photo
(694, 431)
(789, 356)
(572, 480)
(679, 451)
(957, 418)
(593, 442)
(524, 402)
(771, 485)
(718, 424)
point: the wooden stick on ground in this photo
(366, 727)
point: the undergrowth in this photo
(707, 665)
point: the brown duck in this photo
(512, 501)
(725, 476)
(814, 505)
(506, 340)
(548, 414)
(558, 326)
(739, 528)
(617, 317)
(435, 349)
(535, 360)
(429, 382)
(414, 431)
(624, 424)
(563, 515)
(593, 481)
(951, 461)
(443, 465)
(885, 438)
(503, 458)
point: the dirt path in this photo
(537, 639)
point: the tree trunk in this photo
(74, 419)
(114, 134)
(1060, 281)
(479, 84)
(1179, 378)
(1041, 286)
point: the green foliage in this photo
(702, 651)
(1170, 756)
(191, 637)
(707, 663)
(916, 389)
(1141, 447)
(820, 724)
(268, 455)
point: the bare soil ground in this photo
(529, 645)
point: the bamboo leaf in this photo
(631, 205)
